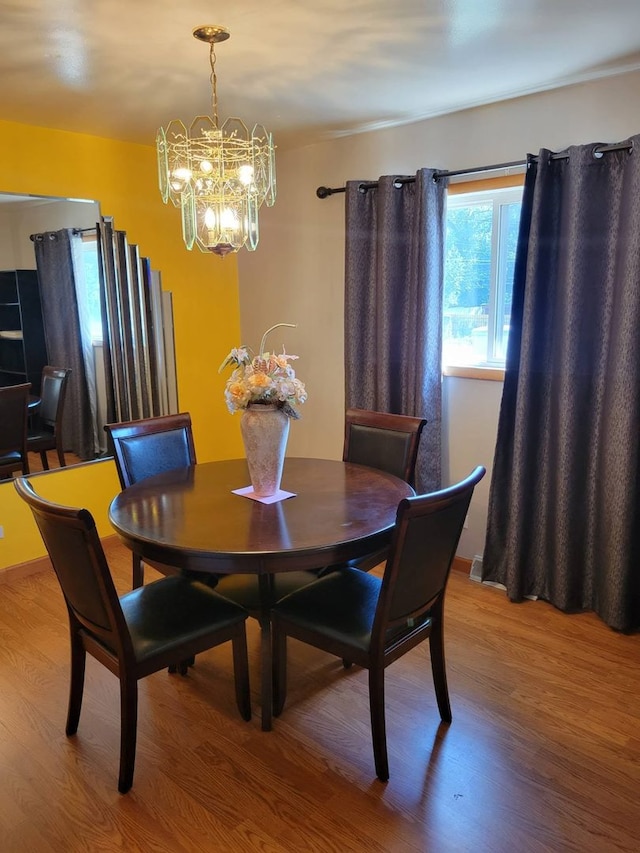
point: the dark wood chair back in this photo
(47, 433)
(384, 441)
(371, 621)
(151, 445)
(146, 447)
(78, 560)
(425, 540)
(160, 625)
(13, 429)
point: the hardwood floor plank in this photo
(543, 753)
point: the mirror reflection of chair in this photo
(46, 430)
(13, 429)
(371, 621)
(143, 631)
(146, 447)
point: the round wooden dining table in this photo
(192, 519)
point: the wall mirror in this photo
(94, 286)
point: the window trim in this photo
(493, 374)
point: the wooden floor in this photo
(35, 463)
(543, 753)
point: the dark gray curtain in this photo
(62, 332)
(393, 305)
(564, 499)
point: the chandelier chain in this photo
(214, 83)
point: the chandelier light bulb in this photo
(219, 177)
(245, 174)
(209, 218)
(229, 219)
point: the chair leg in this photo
(128, 728)
(78, 659)
(61, 459)
(44, 460)
(438, 666)
(378, 727)
(182, 667)
(241, 674)
(137, 574)
(279, 677)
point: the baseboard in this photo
(23, 570)
(32, 567)
(461, 564)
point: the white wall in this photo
(20, 219)
(297, 273)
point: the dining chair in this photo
(146, 447)
(13, 429)
(134, 635)
(46, 432)
(372, 621)
(384, 441)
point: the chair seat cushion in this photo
(41, 435)
(365, 564)
(244, 589)
(340, 605)
(172, 610)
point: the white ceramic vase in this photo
(265, 430)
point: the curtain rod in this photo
(40, 237)
(598, 151)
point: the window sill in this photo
(493, 374)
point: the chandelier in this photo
(218, 176)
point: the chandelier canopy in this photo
(218, 176)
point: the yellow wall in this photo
(122, 177)
(91, 485)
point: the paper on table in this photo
(280, 495)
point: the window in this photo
(91, 284)
(481, 238)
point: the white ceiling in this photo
(306, 69)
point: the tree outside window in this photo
(481, 239)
